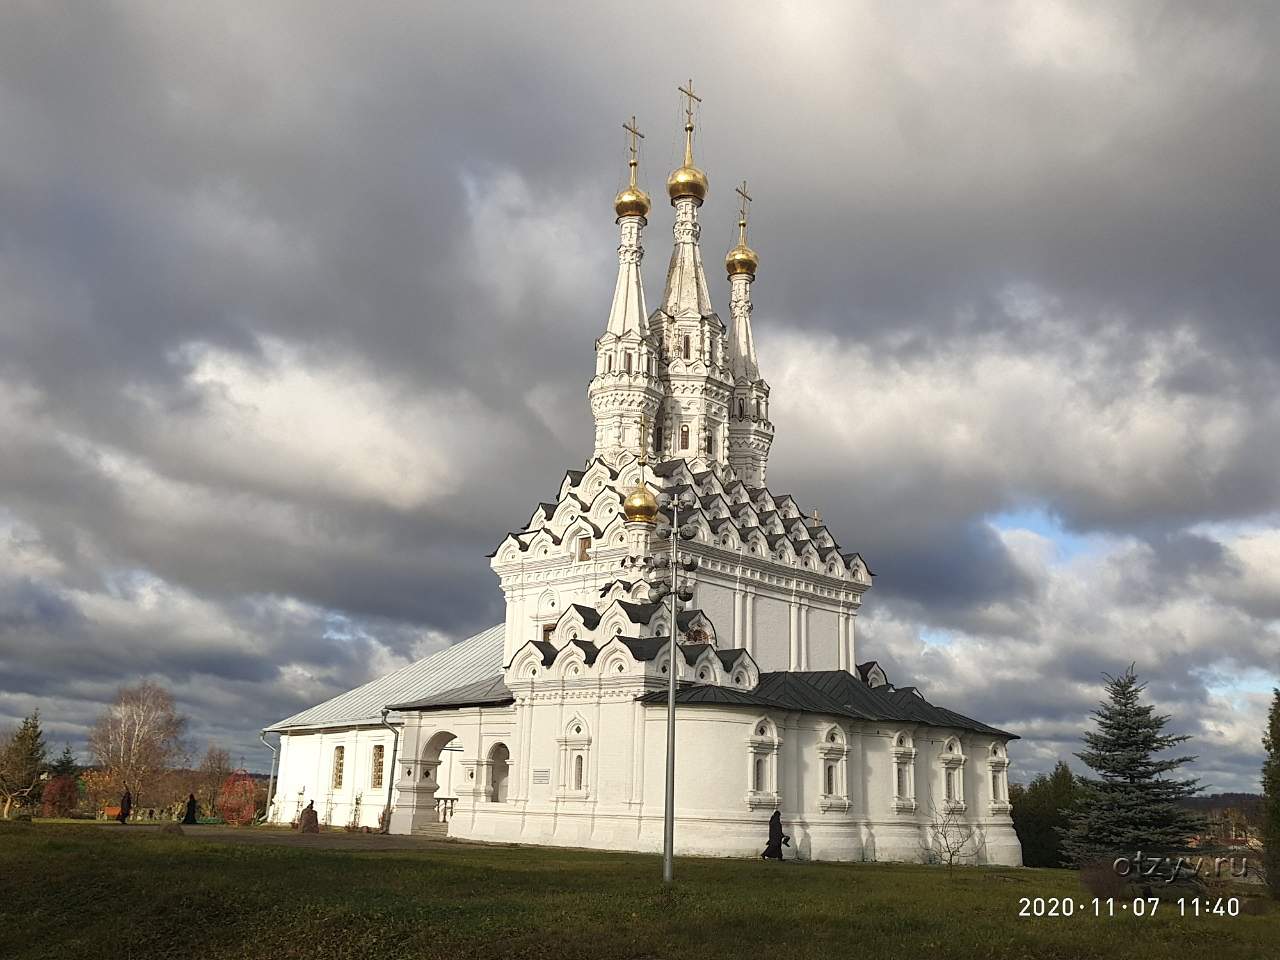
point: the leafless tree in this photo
(212, 774)
(950, 839)
(139, 736)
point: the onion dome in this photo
(640, 505)
(687, 180)
(741, 259)
(631, 201)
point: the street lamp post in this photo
(681, 592)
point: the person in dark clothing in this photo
(776, 838)
(126, 806)
(190, 816)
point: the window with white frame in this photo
(762, 765)
(998, 763)
(903, 752)
(952, 760)
(833, 752)
(575, 760)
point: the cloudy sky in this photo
(297, 303)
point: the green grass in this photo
(88, 891)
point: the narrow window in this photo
(950, 784)
(657, 439)
(610, 370)
(757, 409)
(902, 780)
(628, 363)
(338, 755)
(584, 548)
(758, 784)
(547, 630)
(831, 779)
(711, 444)
(684, 436)
(577, 772)
(375, 774)
(995, 785)
(686, 350)
(742, 409)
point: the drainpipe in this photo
(391, 771)
(271, 782)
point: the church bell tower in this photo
(626, 391)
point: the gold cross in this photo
(690, 97)
(746, 198)
(634, 134)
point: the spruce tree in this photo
(1131, 805)
(65, 765)
(1271, 798)
(22, 760)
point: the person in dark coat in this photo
(190, 816)
(776, 838)
(126, 806)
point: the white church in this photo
(550, 728)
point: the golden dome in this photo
(640, 505)
(741, 259)
(631, 202)
(687, 181)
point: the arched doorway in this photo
(435, 773)
(499, 758)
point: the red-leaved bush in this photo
(60, 796)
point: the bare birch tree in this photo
(951, 839)
(139, 736)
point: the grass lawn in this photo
(90, 891)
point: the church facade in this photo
(550, 728)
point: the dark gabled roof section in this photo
(482, 693)
(639, 612)
(667, 468)
(643, 648)
(729, 657)
(831, 693)
(589, 650)
(547, 649)
(590, 615)
(711, 694)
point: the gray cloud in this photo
(286, 292)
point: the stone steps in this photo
(435, 830)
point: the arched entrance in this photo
(499, 759)
(434, 773)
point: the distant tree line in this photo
(137, 745)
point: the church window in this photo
(628, 362)
(339, 754)
(657, 438)
(711, 444)
(762, 766)
(740, 680)
(686, 349)
(834, 754)
(584, 548)
(375, 768)
(757, 409)
(952, 760)
(575, 750)
(830, 779)
(999, 766)
(742, 409)
(610, 370)
(547, 630)
(904, 773)
(684, 436)
(702, 674)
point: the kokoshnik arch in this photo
(550, 727)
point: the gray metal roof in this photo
(476, 658)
